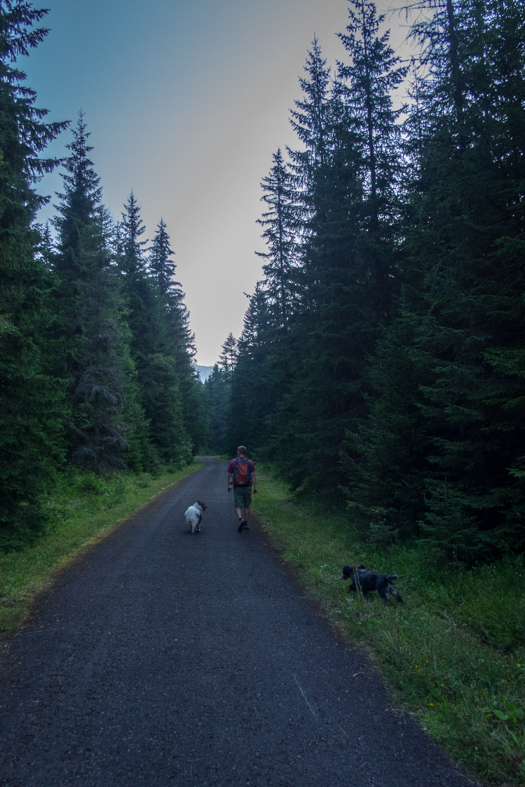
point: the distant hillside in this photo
(204, 372)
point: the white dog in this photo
(193, 516)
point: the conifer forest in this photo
(381, 367)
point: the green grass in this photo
(454, 652)
(82, 509)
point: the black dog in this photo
(371, 580)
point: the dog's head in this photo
(201, 505)
(348, 572)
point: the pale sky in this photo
(186, 102)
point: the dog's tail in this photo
(395, 592)
(392, 588)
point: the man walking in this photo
(241, 476)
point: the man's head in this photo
(241, 451)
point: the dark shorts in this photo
(242, 496)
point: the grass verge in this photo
(454, 652)
(82, 509)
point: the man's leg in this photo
(247, 502)
(242, 499)
(239, 511)
(238, 501)
(242, 523)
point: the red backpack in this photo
(241, 474)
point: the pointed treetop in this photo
(228, 356)
(131, 229)
(310, 119)
(161, 267)
(81, 180)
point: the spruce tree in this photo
(281, 224)
(218, 393)
(340, 311)
(471, 176)
(82, 195)
(333, 332)
(461, 312)
(373, 73)
(161, 266)
(280, 291)
(30, 399)
(312, 117)
(253, 396)
(228, 356)
(156, 366)
(95, 364)
(98, 389)
(179, 337)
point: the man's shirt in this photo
(233, 465)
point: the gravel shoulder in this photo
(161, 658)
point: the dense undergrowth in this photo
(81, 508)
(454, 652)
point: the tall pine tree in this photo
(95, 363)
(30, 399)
(150, 350)
(180, 339)
(459, 478)
(373, 73)
(281, 224)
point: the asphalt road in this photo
(162, 658)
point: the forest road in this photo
(160, 658)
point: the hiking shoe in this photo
(241, 526)
(246, 525)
